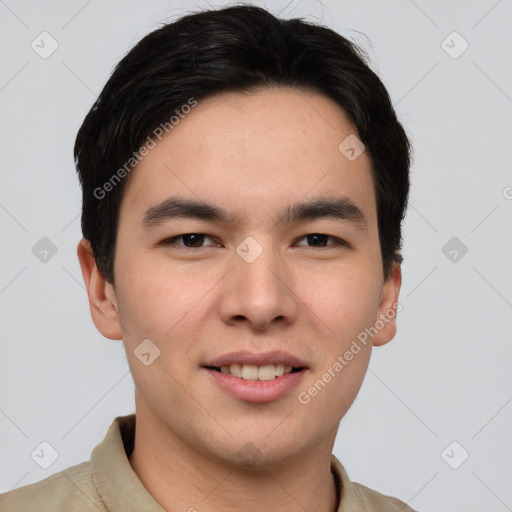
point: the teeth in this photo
(235, 370)
(249, 372)
(253, 372)
(267, 372)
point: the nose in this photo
(259, 293)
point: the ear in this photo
(388, 307)
(102, 296)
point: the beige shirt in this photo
(107, 483)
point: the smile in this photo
(253, 372)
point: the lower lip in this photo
(257, 390)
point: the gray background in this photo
(446, 377)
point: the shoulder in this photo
(70, 490)
(358, 497)
(375, 501)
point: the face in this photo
(282, 267)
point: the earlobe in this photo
(102, 297)
(385, 323)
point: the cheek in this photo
(331, 391)
(344, 301)
(343, 308)
(343, 357)
(156, 297)
(163, 310)
(169, 307)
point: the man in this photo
(244, 181)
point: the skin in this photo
(252, 154)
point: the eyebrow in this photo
(340, 208)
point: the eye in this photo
(197, 241)
(320, 240)
(191, 240)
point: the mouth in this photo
(251, 383)
(257, 377)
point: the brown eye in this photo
(190, 240)
(193, 239)
(321, 240)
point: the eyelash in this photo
(172, 240)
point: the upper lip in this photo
(258, 359)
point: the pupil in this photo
(315, 238)
(194, 239)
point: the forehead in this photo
(252, 152)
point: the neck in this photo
(180, 478)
